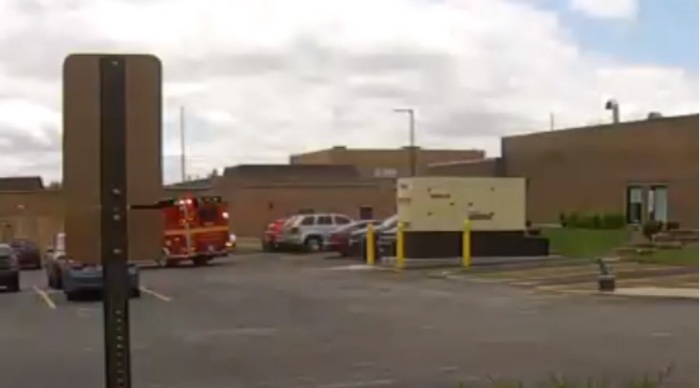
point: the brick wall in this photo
(588, 169)
(368, 160)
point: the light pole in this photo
(411, 136)
(183, 157)
(614, 106)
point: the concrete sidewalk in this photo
(658, 292)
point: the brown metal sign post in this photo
(112, 109)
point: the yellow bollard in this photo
(369, 245)
(466, 245)
(400, 248)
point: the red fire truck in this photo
(196, 229)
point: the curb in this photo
(555, 290)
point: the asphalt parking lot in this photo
(264, 320)
(579, 276)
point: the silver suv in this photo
(308, 231)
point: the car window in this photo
(349, 227)
(308, 220)
(325, 220)
(342, 220)
(291, 221)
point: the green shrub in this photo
(592, 221)
(613, 221)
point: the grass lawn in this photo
(584, 243)
(688, 255)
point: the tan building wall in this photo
(36, 215)
(371, 162)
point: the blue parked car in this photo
(74, 277)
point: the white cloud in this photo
(265, 78)
(607, 9)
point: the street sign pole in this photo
(113, 224)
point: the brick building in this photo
(643, 169)
(258, 194)
(384, 162)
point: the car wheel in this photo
(58, 281)
(50, 282)
(312, 244)
(13, 285)
(72, 295)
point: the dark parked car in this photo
(28, 253)
(9, 268)
(339, 239)
(385, 236)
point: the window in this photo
(308, 220)
(657, 203)
(342, 220)
(634, 204)
(208, 213)
(366, 213)
(325, 220)
(385, 173)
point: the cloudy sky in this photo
(261, 79)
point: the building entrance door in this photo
(634, 208)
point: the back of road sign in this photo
(82, 119)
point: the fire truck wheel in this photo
(200, 261)
(312, 244)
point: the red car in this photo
(28, 253)
(339, 239)
(272, 234)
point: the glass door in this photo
(634, 205)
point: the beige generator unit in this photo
(434, 211)
(444, 203)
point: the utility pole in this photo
(183, 158)
(411, 137)
(551, 121)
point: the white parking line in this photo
(358, 384)
(45, 297)
(156, 294)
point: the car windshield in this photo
(389, 222)
(353, 226)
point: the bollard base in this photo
(606, 283)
